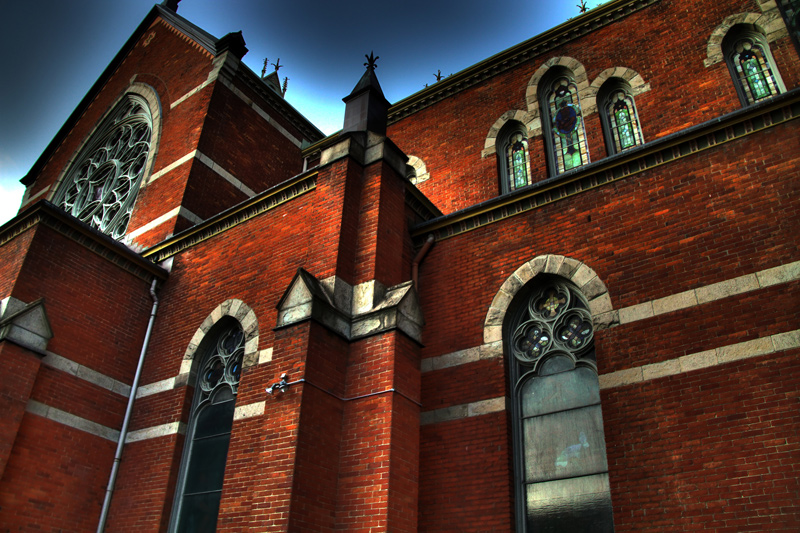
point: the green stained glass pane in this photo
(755, 78)
(624, 129)
(520, 172)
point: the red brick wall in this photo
(55, 478)
(21, 367)
(714, 449)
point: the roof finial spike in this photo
(277, 65)
(439, 75)
(264, 69)
(582, 6)
(285, 86)
(371, 61)
(172, 5)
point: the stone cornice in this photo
(234, 216)
(686, 143)
(512, 57)
(49, 215)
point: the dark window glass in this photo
(209, 435)
(199, 513)
(561, 467)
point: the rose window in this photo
(101, 185)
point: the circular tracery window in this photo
(101, 185)
(557, 320)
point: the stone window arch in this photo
(100, 184)
(546, 323)
(750, 63)
(563, 121)
(619, 116)
(532, 93)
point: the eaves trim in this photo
(90, 238)
(516, 55)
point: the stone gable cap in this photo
(26, 324)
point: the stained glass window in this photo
(208, 437)
(751, 65)
(567, 131)
(561, 469)
(620, 118)
(518, 166)
(100, 187)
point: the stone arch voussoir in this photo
(633, 78)
(770, 23)
(572, 64)
(490, 145)
(586, 279)
(420, 170)
(238, 310)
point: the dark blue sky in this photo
(54, 50)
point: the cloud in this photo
(10, 198)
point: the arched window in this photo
(101, 185)
(561, 472)
(619, 116)
(205, 454)
(563, 122)
(514, 163)
(751, 64)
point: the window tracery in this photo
(101, 186)
(514, 161)
(619, 116)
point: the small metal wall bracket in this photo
(279, 386)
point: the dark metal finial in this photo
(370, 64)
(285, 86)
(264, 70)
(277, 65)
(582, 6)
(438, 75)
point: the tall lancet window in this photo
(561, 470)
(101, 185)
(208, 435)
(751, 65)
(619, 116)
(566, 136)
(515, 167)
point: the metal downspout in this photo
(418, 259)
(124, 431)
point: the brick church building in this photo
(556, 291)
